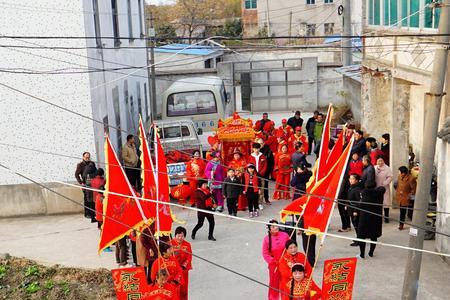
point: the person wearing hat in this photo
(287, 129)
(297, 138)
(195, 170)
(300, 287)
(215, 173)
(252, 190)
(283, 168)
(238, 162)
(272, 250)
(296, 120)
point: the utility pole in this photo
(151, 71)
(347, 31)
(433, 101)
(290, 25)
(268, 18)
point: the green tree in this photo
(231, 28)
(165, 33)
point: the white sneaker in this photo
(261, 207)
(250, 214)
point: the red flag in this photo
(127, 211)
(164, 217)
(324, 152)
(296, 207)
(338, 278)
(336, 151)
(147, 175)
(317, 211)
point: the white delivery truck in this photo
(200, 99)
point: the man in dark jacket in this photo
(231, 189)
(310, 130)
(84, 172)
(359, 145)
(354, 199)
(368, 175)
(295, 120)
(203, 198)
(298, 158)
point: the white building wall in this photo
(27, 122)
(278, 13)
(130, 54)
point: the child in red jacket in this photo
(355, 165)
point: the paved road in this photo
(71, 240)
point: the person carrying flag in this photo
(161, 289)
(290, 257)
(300, 287)
(167, 261)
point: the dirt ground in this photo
(25, 279)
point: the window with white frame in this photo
(250, 4)
(310, 1)
(130, 21)
(98, 39)
(141, 21)
(328, 1)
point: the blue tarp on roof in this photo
(193, 50)
(356, 42)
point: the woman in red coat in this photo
(297, 137)
(183, 253)
(283, 168)
(195, 170)
(287, 261)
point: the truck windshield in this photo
(191, 103)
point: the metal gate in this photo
(277, 84)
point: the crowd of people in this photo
(278, 154)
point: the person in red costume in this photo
(195, 170)
(272, 249)
(238, 162)
(297, 137)
(283, 170)
(167, 261)
(300, 287)
(214, 142)
(161, 289)
(288, 131)
(290, 257)
(183, 253)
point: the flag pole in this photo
(156, 176)
(350, 145)
(327, 119)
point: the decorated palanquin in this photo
(235, 133)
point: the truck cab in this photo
(179, 139)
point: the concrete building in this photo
(396, 74)
(69, 73)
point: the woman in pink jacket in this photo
(272, 250)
